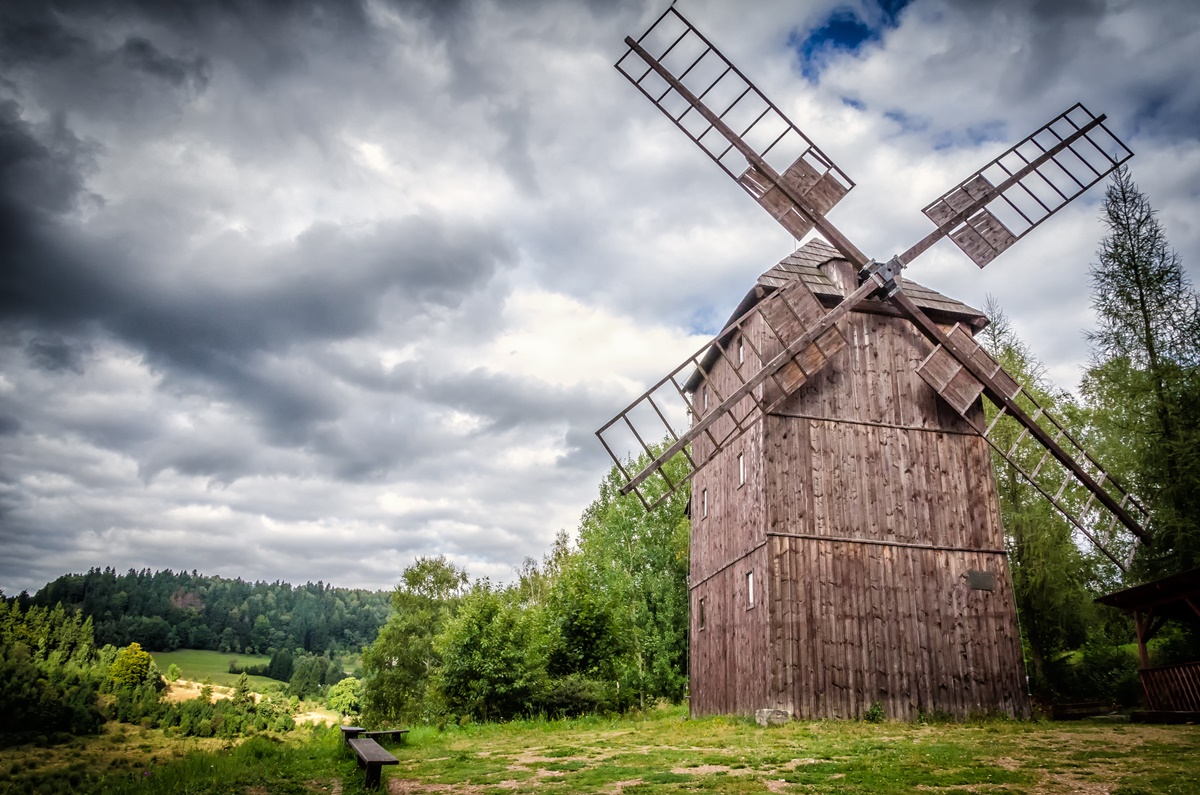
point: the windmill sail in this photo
(1044, 452)
(1006, 199)
(715, 105)
(796, 341)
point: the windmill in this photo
(816, 434)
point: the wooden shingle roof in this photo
(805, 264)
(812, 264)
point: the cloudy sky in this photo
(301, 290)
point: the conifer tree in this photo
(1144, 376)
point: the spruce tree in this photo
(1144, 376)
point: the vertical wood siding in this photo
(865, 451)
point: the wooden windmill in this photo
(847, 547)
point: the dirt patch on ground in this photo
(185, 690)
(701, 770)
(328, 786)
(319, 716)
(619, 786)
(409, 786)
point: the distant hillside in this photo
(167, 610)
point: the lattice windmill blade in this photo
(1044, 452)
(1005, 200)
(734, 123)
(798, 340)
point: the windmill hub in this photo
(884, 274)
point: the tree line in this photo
(167, 610)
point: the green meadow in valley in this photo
(195, 664)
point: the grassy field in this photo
(196, 665)
(662, 752)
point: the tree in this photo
(242, 697)
(173, 672)
(492, 654)
(1050, 570)
(345, 698)
(1146, 367)
(132, 667)
(623, 603)
(399, 663)
(280, 667)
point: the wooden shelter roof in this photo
(1176, 596)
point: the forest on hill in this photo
(167, 610)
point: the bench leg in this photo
(373, 771)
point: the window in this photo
(741, 470)
(704, 503)
(749, 589)
(700, 616)
(741, 352)
(704, 396)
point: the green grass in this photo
(659, 753)
(196, 664)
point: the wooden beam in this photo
(769, 369)
(1195, 608)
(997, 396)
(1141, 620)
(922, 245)
(831, 232)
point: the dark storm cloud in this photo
(55, 354)
(139, 53)
(42, 168)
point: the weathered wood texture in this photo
(1172, 687)
(867, 502)
(731, 654)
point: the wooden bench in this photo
(372, 756)
(351, 732)
(1080, 709)
(391, 734)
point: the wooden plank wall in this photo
(730, 660)
(855, 624)
(868, 451)
(735, 521)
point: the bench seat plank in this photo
(372, 752)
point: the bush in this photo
(575, 694)
(1105, 672)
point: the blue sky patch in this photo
(844, 30)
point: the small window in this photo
(704, 396)
(741, 352)
(700, 616)
(704, 503)
(741, 470)
(749, 589)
